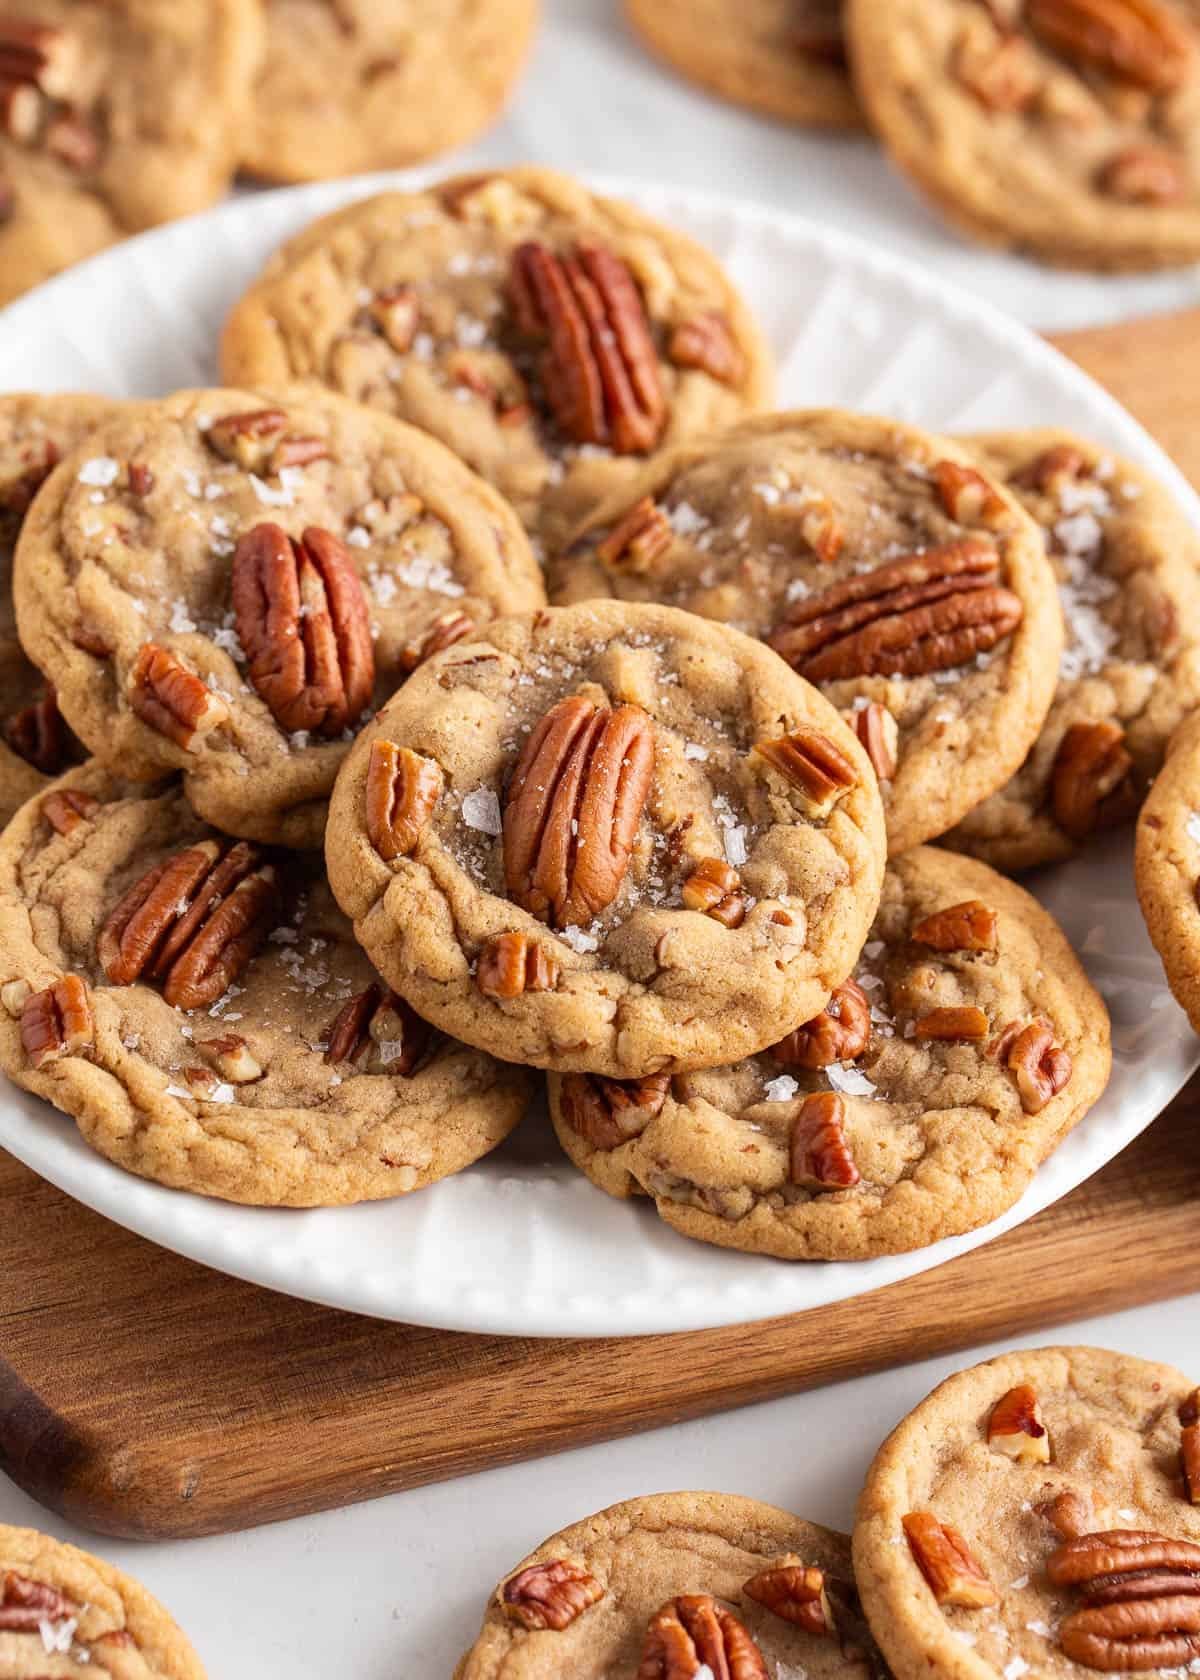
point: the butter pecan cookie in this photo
(68, 1615)
(880, 563)
(202, 1011)
(784, 59)
(918, 1104)
(1038, 1515)
(1167, 865)
(552, 338)
(610, 839)
(352, 85)
(226, 584)
(673, 1585)
(1066, 128)
(114, 118)
(1128, 568)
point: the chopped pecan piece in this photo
(694, 1633)
(1145, 175)
(14, 995)
(1042, 1067)
(796, 1593)
(141, 479)
(73, 140)
(573, 806)
(1003, 74)
(403, 789)
(945, 1560)
(248, 440)
(66, 808)
(970, 926)
(715, 889)
(970, 498)
(396, 313)
(232, 1058)
(38, 733)
(88, 639)
(1053, 468)
(451, 627)
(810, 761)
(1138, 41)
(819, 1153)
(1189, 1461)
(382, 1024)
(550, 1595)
(1092, 786)
(26, 1604)
(1141, 1600)
(171, 699)
(302, 619)
(609, 1112)
(58, 1021)
(964, 1022)
(879, 733)
(40, 53)
(298, 452)
(707, 343)
(925, 612)
(20, 110)
(1015, 1427)
(840, 1033)
(1069, 1513)
(638, 540)
(600, 368)
(512, 963)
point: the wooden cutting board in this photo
(144, 1396)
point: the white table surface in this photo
(359, 1594)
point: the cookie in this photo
(1167, 866)
(880, 564)
(609, 839)
(202, 1011)
(667, 1584)
(1037, 1514)
(35, 742)
(1128, 568)
(68, 1614)
(1066, 128)
(551, 338)
(916, 1106)
(777, 57)
(115, 118)
(226, 584)
(352, 85)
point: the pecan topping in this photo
(396, 313)
(820, 1154)
(970, 498)
(402, 791)
(1145, 175)
(1069, 1514)
(840, 1033)
(1003, 74)
(945, 1560)
(171, 699)
(1015, 1427)
(58, 1021)
(249, 440)
(573, 806)
(795, 1593)
(1055, 467)
(302, 619)
(970, 926)
(1138, 41)
(26, 1604)
(232, 1058)
(638, 540)
(66, 808)
(1091, 787)
(879, 734)
(451, 627)
(512, 963)
(41, 54)
(812, 764)
(1141, 1600)
(925, 612)
(383, 1024)
(706, 342)
(609, 1112)
(194, 921)
(715, 888)
(600, 368)
(39, 735)
(1042, 1067)
(965, 1022)
(694, 1632)
(550, 1595)
(141, 479)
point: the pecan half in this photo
(512, 963)
(451, 627)
(879, 734)
(550, 1595)
(695, 1632)
(1138, 41)
(970, 926)
(840, 1033)
(402, 791)
(925, 612)
(609, 1112)
(171, 699)
(819, 1155)
(1189, 1461)
(38, 733)
(715, 889)
(810, 761)
(194, 921)
(638, 540)
(600, 367)
(1145, 175)
(946, 1561)
(58, 1021)
(796, 1593)
(26, 1604)
(1141, 1600)
(1092, 786)
(303, 620)
(706, 342)
(1015, 1427)
(66, 808)
(1042, 1067)
(963, 1022)
(232, 1058)
(573, 806)
(382, 1024)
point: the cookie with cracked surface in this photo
(226, 584)
(68, 1614)
(551, 338)
(916, 1106)
(611, 839)
(1036, 1514)
(1128, 568)
(114, 118)
(352, 85)
(704, 1578)
(202, 1011)
(1167, 866)
(879, 563)
(777, 57)
(1066, 128)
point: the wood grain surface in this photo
(142, 1395)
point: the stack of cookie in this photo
(666, 838)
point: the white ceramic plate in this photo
(522, 1243)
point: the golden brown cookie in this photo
(1167, 865)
